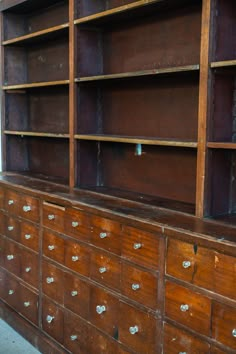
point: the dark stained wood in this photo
(12, 228)
(77, 257)
(75, 326)
(53, 326)
(53, 216)
(77, 224)
(29, 236)
(28, 306)
(223, 324)
(52, 285)
(53, 246)
(30, 268)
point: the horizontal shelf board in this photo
(139, 140)
(222, 64)
(38, 134)
(177, 69)
(36, 84)
(41, 33)
(221, 145)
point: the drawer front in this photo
(137, 330)
(77, 224)
(76, 295)
(2, 198)
(215, 350)
(188, 308)
(2, 251)
(106, 234)
(140, 247)
(52, 320)
(2, 223)
(76, 333)
(29, 208)
(224, 325)
(101, 344)
(12, 228)
(106, 269)
(104, 310)
(77, 257)
(2, 283)
(30, 267)
(12, 202)
(53, 217)
(28, 304)
(139, 285)
(178, 341)
(52, 282)
(225, 275)
(29, 236)
(53, 246)
(12, 291)
(12, 257)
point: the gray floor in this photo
(12, 343)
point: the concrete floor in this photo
(12, 343)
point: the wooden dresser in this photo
(117, 212)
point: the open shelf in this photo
(36, 84)
(221, 145)
(223, 64)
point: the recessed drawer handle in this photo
(26, 303)
(74, 293)
(49, 319)
(27, 236)
(234, 332)
(10, 202)
(51, 217)
(137, 246)
(75, 258)
(10, 228)
(135, 287)
(133, 330)
(26, 208)
(51, 247)
(10, 257)
(28, 269)
(73, 337)
(102, 270)
(75, 223)
(184, 308)
(103, 235)
(186, 264)
(11, 292)
(50, 280)
(100, 309)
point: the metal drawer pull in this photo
(75, 258)
(26, 303)
(75, 223)
(234, 332)
(28, 269)
(137, 246)
(27, 236)
(73, 337)
(10, 202)
(10, 228)
(100, 309)
(184, 308)
(10, 257)
(102, 270)
(51, 217)
(135, 287)
(51, 247)
(26, 208)
(49, 319)
(11, 292)
(103, 235)
(186, 264)
(50, 280)
(182, 352)
(133, 330)
(74, 293)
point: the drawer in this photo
(29, 236)
(30, 267)
(188, 308)
(140, 247)
(52, 320)
(77, 224)
(76, 295)
(76, 337)
(29, 208)
(52, 282)
(215, 350)
(53, 246)
(12, 257)
(101, 344)
(178, 341)
(2, 223)
(139, 285)
(77, 257)
(104, 310)
(12, 291)
(28, 304)
(2, 283)
(12, 228)
(137, 330)
(106, 234)
(2, 251)
(53, 216)
(2, 197)
(12, 202)
(224, 324)
(106, 269)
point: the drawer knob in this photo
(234, 332)
(51, 217)
(28, 269)
(103, 235)
(100, 309)
(51, 247)
(26, 208)
(11, 292)
(137, 246)
(74, 293)
(75, 223)
(10, 228)
(186, 264)
(135, 287)
(10, 257)
(50, 280)
(133, 330)
(49, 319)
(182, 352)
(73, 337)
(75, 258)
(10, 202)
(27, 236)
(184, 308)
(102, 270)
(26, 303)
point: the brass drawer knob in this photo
(28, 269)
(234, 332)
(135, 287)
(26, 303)
(102, 270)
(10, 202)
(74, 258)
(11, 292)
(51, 217)
(184, 307)
(49, 319)
(103, 235)
(75, 223)
(10, 228)
(26, 208)
(133, 330)
(27, 236)
(10, 257)
(186, 264)
(51, 247)
(74, 293)
(73, 337)
(100, 309)
(137, 246)
(50, 280)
